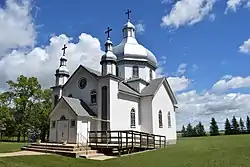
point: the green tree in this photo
(228, 129)
(189, 130)
(200, 130)
(248, 125)
(194, 134)
(26, 93)
(242, 126)
(214, 129)
(183, 131)
(235, 126)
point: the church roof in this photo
(79, 107)
(154, 85)
(126, 88)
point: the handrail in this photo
(81, 142)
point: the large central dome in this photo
(130, 49)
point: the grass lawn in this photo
(223, 151)
(10, 147)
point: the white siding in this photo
(120, 108)
(162, 101)
(146, 114)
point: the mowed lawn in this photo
(10, 147)
(223, 151)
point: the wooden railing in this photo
(126, 139)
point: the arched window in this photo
(160, 119)
(132, 118)
(70, 95)
(62, 117)
(135, 71)
(169, 120)
(150, 74)
(93, 96)
(56, 98)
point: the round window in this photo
(82, 83)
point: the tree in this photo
(200, 130)
(189, 130)
(235, 126)
(183, 131)
(214, 129)
(228, 130)
(248, 125)
(26, 93)
(242, 126)
(194, 132)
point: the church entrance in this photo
(104, 123)
(62, 130)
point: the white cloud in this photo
(233, 5)
(16, 24)
(140, 28)
(245, 47)
(179, 83)
(194, 67)
(181, 69)
(187, 12)
(212, 17)
(228, 82)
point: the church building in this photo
(125, 95)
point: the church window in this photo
(56, 98)
(73, 123)
(169, 120)
(135, 71)
(132, 118)
(150, 75)
(82, 83)
(63, 117)
(160, 119)
(53, 124)
(93, 96)
(70, 95)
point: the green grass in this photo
(223, 151)
(10, 147)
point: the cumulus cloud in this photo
(140, 28)
(179, 83)
(233, 5)
(181, 69)
(228, 82)
(245, 47)
(187, 12)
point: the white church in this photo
(125, 95)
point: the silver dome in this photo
(130, 49)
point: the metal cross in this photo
(128, 13)
(108, 32)
(64, 49)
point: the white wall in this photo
(62, 109)
(162, 101)
(84, 94)
(120, 108)
(146, 114)
(83, 126)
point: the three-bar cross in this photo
(108, 32)
(64, 49)
(128, 13)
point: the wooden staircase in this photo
(71, 150)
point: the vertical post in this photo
(140, 140)
(164, 141)
(107, 138)
(96, 139)
(127, 139)
(132, 139)
(118, 139)
(147, 141)
(160, 141)
(154, 140)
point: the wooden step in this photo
(60, 148)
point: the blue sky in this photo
(197, 44)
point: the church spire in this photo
(62, 73)
(108, 60)
(129, 28)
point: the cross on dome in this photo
(128, 13)
(108, 32)
(64, 49)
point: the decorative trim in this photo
(136, 62)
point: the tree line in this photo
(25, 108)
(230, 128)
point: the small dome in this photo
(130, 49)
(109, 56)
(63, 69)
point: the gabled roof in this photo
(91, 71)
(153, 87)
(127, 89)
(79, 107)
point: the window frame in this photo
(132, 118)
(169, 120)
(53, 124)
(160, 119)
(93, 94)
(72, 126)
(135, 71)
